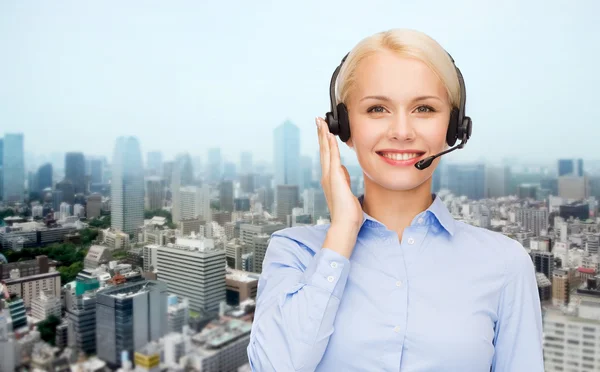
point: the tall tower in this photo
(286, 152)
(13, 168)
(75, 171)
(127, 188)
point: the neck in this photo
(395, 209)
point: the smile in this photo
(401, 158)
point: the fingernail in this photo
(317, 122)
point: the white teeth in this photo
(397, 156)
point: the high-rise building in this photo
(13, 168)
(194, 268)
(128, 317)
(1, 167)
(94, 205)
(287, 199)
(533, 219)
(571, 335)
(286, 152)
(127, 188)
(68, 191)
(570, 167)
(307, 173)
(75, 171)
(96, 171)
(497, 181)
(543, 262)
(229, 171)
(154, 193)
(466, 180)
(194, 202)
(154, 162)
(246, 165)
(215, 165)
(44, 177)
(226, 195)
(184, 161)
(560, 287)
(315, 204)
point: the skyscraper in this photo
(127, 188)
(246, 165)
(570, 167)
(75, 171)
(1, 171)
(13, 168)
(215, 165)
(44, 177)
(96, 171)
(286, 152)
(154, 162)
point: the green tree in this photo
(47, 329)
(69, 273)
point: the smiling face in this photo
(399, 111)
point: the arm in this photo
(518, 335)
(296, 306)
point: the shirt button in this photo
(334, 264)
(398, 284)
(420, 220)
(330, 279)
(397, 329)
(411, 241)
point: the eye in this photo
(376, 109)
(425, 108)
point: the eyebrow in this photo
(388, 99)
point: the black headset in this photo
(459, 128)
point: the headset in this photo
(459, 127)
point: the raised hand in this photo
(345, 209)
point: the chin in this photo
(393, 182)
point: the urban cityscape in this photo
(149, 264)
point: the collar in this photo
(437, 210)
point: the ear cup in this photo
(451, 134)
(332, 123)
(343, 122)
(466, 129)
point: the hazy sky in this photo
(184, 76)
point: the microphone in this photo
(422, 164)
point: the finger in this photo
(325, 165)
(334, 154)
(321, 139)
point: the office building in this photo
(194, 268)
(127, 188)
(13, 168)
(128, 317)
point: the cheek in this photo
(434, 136)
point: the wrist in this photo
(342, 239)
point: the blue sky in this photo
(188, 75)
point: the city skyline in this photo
(155, 74)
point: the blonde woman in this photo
(394, 283)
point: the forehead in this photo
(398, 77)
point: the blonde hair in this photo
(407, 43)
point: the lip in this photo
(401, 163)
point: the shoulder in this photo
(299, 242)
(514, 258)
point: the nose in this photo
(401, 128)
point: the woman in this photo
(394, 283)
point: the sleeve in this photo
(518, 335)
(297, 300)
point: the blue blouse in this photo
(448, 297)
